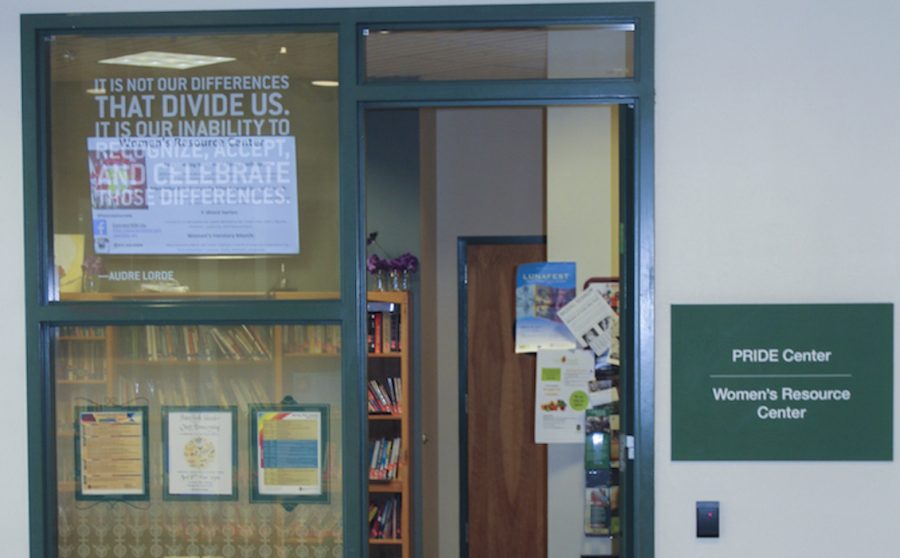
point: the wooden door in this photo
(507, 471)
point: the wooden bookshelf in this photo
(389, 346)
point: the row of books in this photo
(182, 391)
(384, 518)
(80, 361)
(385, 459)
(313, 339)
(383, 328)
(193, 342)
(88, 332)
(385, 398)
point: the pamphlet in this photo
(112, 457)
(543, 288)
(200, 452)
(597, 439)
(591, 319)
(289, 460)
(601, 504)
(561, 395)
(609, 290)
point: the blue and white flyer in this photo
(542, 289)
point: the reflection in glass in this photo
(548, 52)
(194, 166)
(193, 376)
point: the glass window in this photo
(175, 438)
(194, 165)
(544, 52)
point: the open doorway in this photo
(434, 175)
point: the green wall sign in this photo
(782, 382)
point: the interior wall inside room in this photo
(393, 214)
(489, 181)
(392, 182)
(582, 225)
(475, 165)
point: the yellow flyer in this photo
(289, 453)
(112, 448)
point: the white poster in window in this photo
(194, 195)
(561, 395)
(200, 452)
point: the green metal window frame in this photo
(355, 97)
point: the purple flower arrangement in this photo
(405, 262)
(403, 265)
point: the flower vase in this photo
(90, 283)
(380, 280)
(394, 280)
(398, 280)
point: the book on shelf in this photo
(384, 397)
(393, 330)
(192, 342)
(384, 518)
(383, 328)
(86, 332)
(384, 460)
(316, 339)
(394, 388)
(78, 362)
(371, 346)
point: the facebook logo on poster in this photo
(101, 236)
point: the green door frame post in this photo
(354, 97)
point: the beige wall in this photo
(580, 171)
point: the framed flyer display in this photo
(199, 453)
(288, 452)
(111, 453)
